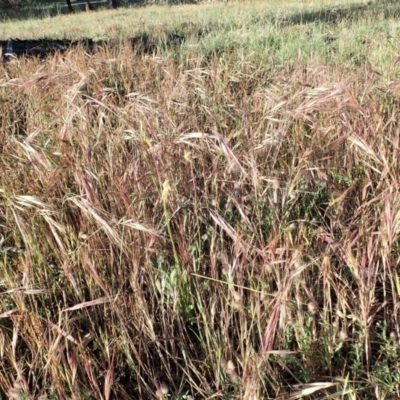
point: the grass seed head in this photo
(162, 391)
(343, 335)
(312, 307)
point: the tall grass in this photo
(200, 222)
(127, 22)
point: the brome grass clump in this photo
(202, 220)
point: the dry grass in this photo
(209, 226)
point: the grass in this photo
(126, 22)
(216, 217)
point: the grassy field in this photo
(209, 211)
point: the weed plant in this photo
(218, 218)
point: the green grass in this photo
(349, 33)
(125, 22)
(213, 216)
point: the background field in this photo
(207, 207)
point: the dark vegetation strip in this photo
(142, 43)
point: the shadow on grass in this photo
(39, 11)
(332, 15)
(143, 43)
